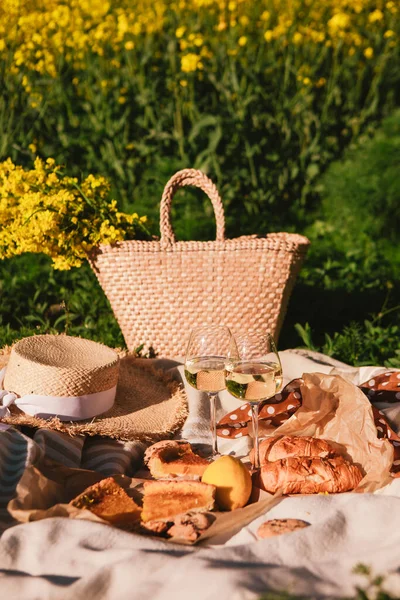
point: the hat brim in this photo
(149, 406)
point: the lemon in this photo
(232, 480)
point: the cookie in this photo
(279, 526)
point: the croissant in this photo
(309, 475)
(275, 448)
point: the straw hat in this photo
(142, 403)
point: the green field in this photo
(291, 107)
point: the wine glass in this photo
(205, 366)
(253, 373)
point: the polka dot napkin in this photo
(383, 388)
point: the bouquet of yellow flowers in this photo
(43, 210)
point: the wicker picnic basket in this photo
(160, 290)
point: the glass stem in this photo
(213, 421)
(254, 416)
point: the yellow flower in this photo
(129, 45)
(369, 52)
(183, 82)
(242, 40)
(190, 62)
(338, 22)
(376, 15)
(297, 38)
(2, 45)
(265, 15)
(65, 220)
(388, 34)
(307, 81)
(180, 32)
(122, 99)
(32, 148)
(321, 82)
(268, 35)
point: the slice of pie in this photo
(174, 458)
(165, 499)
(109, 501)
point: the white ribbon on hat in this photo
(66, 408)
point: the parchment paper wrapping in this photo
(336, 410)
(40, 497)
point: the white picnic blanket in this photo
(59, 558)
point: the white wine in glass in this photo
(253, 373)
(205, 366)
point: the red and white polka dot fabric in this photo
(382, 388)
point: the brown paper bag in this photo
(40, 496)
(336, 410)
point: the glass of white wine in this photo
(206, 355)
(253, 373)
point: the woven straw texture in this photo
(160, 290)
(149, 406)
(59, 365)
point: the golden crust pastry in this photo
(109, 501)
(165, 499)
(278, 447)
(303, 475)
(174, 458)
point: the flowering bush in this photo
(43, 38)
(42, 210)
(261, 94)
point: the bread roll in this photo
(278, 447)
(309, 475)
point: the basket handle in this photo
(197, 179)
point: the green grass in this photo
(37, 299)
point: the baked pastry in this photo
(109, 501)
(187, 527)
(190, 526)
(304, 475)
(277, 447)
(279, 526)
(163, 500)
(174, 458)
